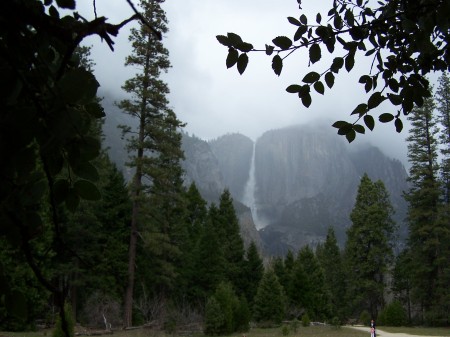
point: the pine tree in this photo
(231, 241)
(269, 304)
(443, 108)
(428, 232)
(315, 298)
(368, 250)
(330, 259)
(155, 151)
(254, 270)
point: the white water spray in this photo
(249, 192)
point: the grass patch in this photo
(418, 331)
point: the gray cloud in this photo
(213, 100)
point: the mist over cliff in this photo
(288, 187)
(305, 180)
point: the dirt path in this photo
(381, 333)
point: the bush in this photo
(393, 315)
(294, 324)
(364, 318)
(305, 320)
(285, 330)
(336, 322)
(214, 318)
(58, 331)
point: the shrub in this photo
(393, 315)
(305, 320)
(214, 318)
(364, 318)
(336, 322)
(294, 324)
(285, 330)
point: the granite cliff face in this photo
(305, 180)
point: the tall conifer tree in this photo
(428, 234)
(330, 259)
(368, 250)
(154, 150)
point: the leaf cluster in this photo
(405, 40)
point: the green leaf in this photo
(68, 4)
(319, 87)
(350, 136)
(294, 21)
(234, 39)
(359, 128)
(86, 171)
(311, 77)
(304, 19)
(315, 53)
(395, 99)
(345, 129)
(360, 110)
(277, 64)
(318, 18)
(337, 64)
(349, 18)
(329, 79)
(269, 49)
(232, 57)
(375, 100)
(242, 63)
(398, 125)
(53, 12)
(340, 124)
(78, 86)
(293, 88)
(87, 190)
(369, 121)
(393, 85)
(386, 117)
(349, 61)
(282, 42)
(300, 31)
(223, 40)
(244, 47)
(306, 100)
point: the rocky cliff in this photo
(305, 180)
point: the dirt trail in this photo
(381, 333)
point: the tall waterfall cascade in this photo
(249, 192)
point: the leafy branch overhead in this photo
(404, 39)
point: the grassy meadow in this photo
(312, 331)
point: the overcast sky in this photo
(213, 100)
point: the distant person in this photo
(373, 332)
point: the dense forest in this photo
(79, 243)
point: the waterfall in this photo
(249, 191)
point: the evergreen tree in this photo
(253, 272)
(443, 108)
(195, 222)
(330, 259)
(269, 304)
(316, 298)
(155, 153)
(402, 280)
(368, 250)
(428, 231)
(231, 242)
(208, 259)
